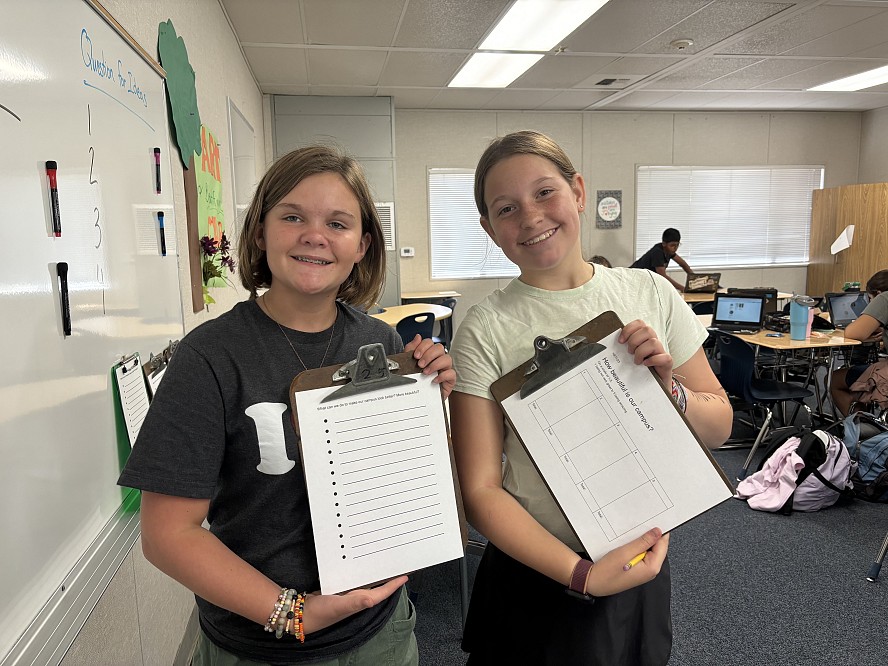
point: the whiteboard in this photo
(75, 91)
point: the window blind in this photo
(750, 216)
(461, 249)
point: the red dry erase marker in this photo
(51, 167)
(157, 169)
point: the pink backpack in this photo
(805, 473)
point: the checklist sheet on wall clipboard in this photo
(616, 453)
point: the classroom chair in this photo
(473, 547)
(422, 323)
(445, 326)
(751, 393)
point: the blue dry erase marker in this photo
(163, 244)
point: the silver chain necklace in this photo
(287, 337)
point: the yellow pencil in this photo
(635, 560)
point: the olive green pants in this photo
(393, 645)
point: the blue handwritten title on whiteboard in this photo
(100, 68)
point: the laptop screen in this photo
(769, 293)
(705, 282)
(738, 311)
(845, 307)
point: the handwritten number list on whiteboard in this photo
(72, 91)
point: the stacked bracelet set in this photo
(286, 618)
(679, 395)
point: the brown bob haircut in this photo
(878, 282)
(364, 285)
(525, 142)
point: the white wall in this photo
(606, 147)
(874, 148)
(143, 615)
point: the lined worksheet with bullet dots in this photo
(380, 483)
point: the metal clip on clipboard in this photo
(553, 358)
(371, 370)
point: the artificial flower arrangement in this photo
(216, 263)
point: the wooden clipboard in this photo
(550, 367)
(405, 365)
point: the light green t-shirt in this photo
(497, 335)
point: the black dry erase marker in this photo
(62, 271)
(51, 167)
(163, 243)
(157, 169)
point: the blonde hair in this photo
(364, 284)
(525, 142)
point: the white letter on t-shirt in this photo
(270, 431)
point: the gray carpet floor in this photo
(749, 589)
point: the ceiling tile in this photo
(702, 72)
(277, 65)
(575, 100)
(818, 74)
(714, 23)
(756, 74)
(520, 99)
(639, 100)
(284, 89)
(448, 24)
(556, 71)
(622, 26)
(341, 67)
(464, 98)
(801, 29)
(269, 21)
(352, 22)
(415, 68)
(628, 66)
(848, 40)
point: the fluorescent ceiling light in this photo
(874, 77)
(493, 70)
(529, 25)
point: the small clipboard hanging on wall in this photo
(615, 451)
(133, 394)
(379, 469)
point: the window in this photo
(751, 216)
(461, 249)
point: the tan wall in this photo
(606, 147)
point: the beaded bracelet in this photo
(679, 395)
(286, 618)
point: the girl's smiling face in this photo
(314, 236)
(533, 213)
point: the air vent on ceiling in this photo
(614, 82)
(386, 212)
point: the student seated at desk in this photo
(657, 258)
(870, 325)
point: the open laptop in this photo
(738, 313)
(770, 294)
(845, 307)
(706, 283)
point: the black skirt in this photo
(519, 616)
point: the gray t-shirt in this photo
(878, 310)
(220, 428)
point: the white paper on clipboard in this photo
(133, 394)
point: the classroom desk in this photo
(392, 315)
(831, 341)
(697, 297)
(427, 296)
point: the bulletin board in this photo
(75, 89)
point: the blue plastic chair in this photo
(422, 323)
(445, 326)
(737, 376)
